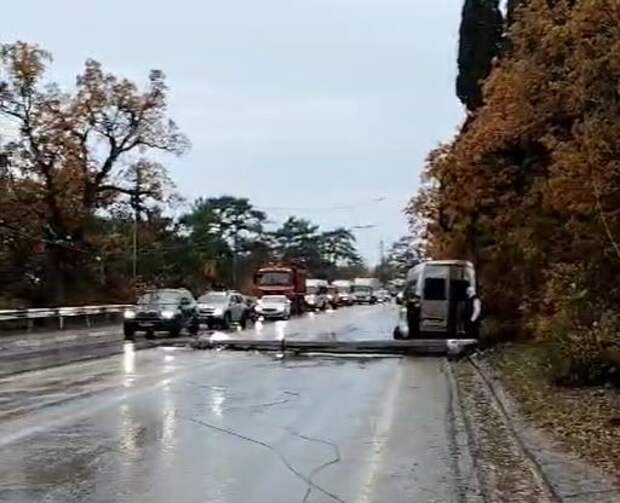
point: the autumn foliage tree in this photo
(73, 149)
(83, 201)
(530, 190)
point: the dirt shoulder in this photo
(585, 421)
(502, 469)
(532, 441)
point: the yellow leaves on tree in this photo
(532, 182)
(76, 147)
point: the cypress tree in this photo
(480, 41)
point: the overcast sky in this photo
(314, 105)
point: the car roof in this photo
(223, 292)
(166, 290)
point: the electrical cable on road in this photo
(322, 466)
(271, 448)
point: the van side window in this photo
(434, 289)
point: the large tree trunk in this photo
(56, 275)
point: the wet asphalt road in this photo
(29, 351)
(177, 425)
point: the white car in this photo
(273, 307)
(316, 294)
(383, 295)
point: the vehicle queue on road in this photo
(174, 310)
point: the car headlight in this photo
(330, 297)
(168, 314)
(218, 311)
(129, 314)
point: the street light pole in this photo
(136, 207)
(234, 258)
(135, 245)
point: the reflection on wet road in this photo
(358, 323)
(171, 424)
(23, 352)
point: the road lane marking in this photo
(382, 429)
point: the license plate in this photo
(147, 324)
(435, 322)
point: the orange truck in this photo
(282, 279)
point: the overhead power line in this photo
(323, 208)
(25, 235)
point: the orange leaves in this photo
(74, 150)
(533, 180)
(76, 143)
(25, 63)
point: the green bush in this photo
(585, 355)
(495, 330)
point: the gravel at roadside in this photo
(517, 460)
(504, 472)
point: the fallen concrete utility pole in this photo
(421, 347)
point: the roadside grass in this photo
(585, 420)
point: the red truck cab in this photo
(286, 280)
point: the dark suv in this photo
(162, 310)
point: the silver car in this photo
(222, 309)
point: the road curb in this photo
(461, 438)
(535, 467)
(568, 479)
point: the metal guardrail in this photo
(60, 313)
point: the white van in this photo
(440, 300)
